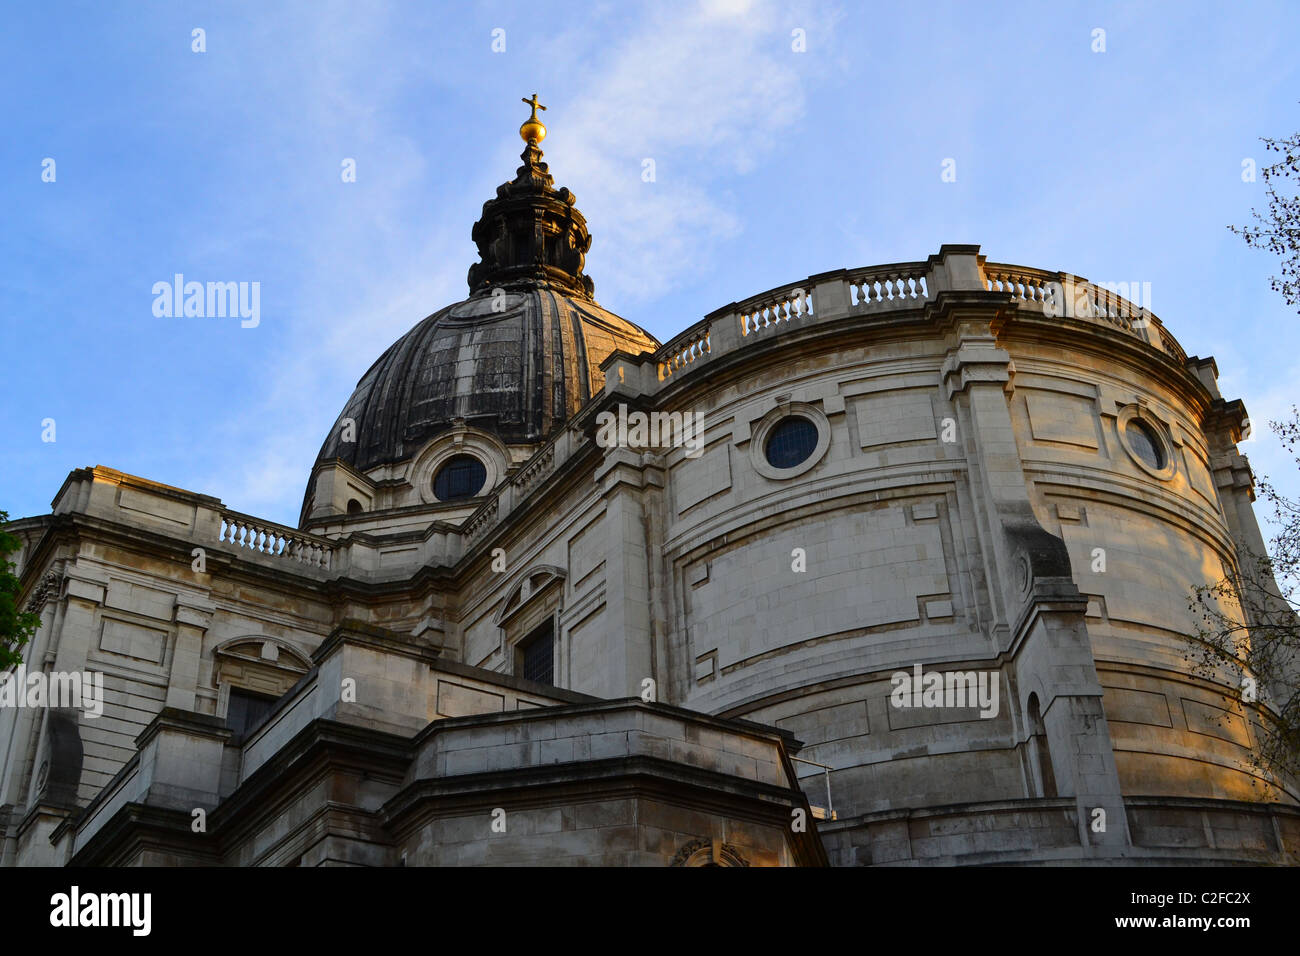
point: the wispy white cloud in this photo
(716, 78)
(712, 77)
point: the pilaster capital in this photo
(622, 466)
(86, 584)
(194, 611)
(976, 360)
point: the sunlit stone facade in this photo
(998, 471)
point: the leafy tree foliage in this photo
(16, 626)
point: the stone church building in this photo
(913, 594)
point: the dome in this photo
(517, 358)
(518, 373)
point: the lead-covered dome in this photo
(518, 373)
(517, 358)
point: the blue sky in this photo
(771, 165)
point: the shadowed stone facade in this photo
(1011, 472)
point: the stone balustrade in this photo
(276, 541)
(1025, 285)
(876, 288)
(903, 286)
(774, 308)
(685, 349)
(482, 519)
(537, 467)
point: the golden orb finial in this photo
(533, 131)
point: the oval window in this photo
(1146, 445)
(462, 476)
(791, 442)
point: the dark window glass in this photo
(537, 654)
(462, 477)
(354, 507)
(1142, 439)
(247, 710)
(791, 443)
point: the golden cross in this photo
(535, 105)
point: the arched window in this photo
(251, 674)
(354, 507)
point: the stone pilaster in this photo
(193, 615)
(629, 640)
(1040, 612)
(84, 593)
